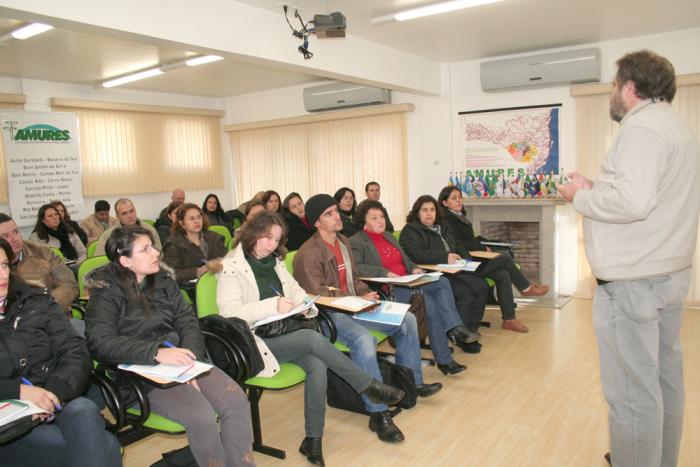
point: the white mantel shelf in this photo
(514, 202)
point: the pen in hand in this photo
(58, 406)
(169, 345)
(279, 294)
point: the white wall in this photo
(433, 134)
(680, 47)
(148, 205)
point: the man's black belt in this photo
(601, 281)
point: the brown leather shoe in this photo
(514, 325)
(535, 290)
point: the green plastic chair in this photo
(397, 235)
(231, 244)
(91, 249)
(223, 231)
(149, 222)
(58, 253)
(236, 223)
(289, 375)
(289, 261)
(85, 267)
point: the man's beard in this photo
(617, 109)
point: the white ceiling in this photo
(508, 27)
(78, 58)
(511, 26)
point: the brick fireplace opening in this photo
(525, 237)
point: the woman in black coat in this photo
(44, 361)
(137, 314)
(191, 247)
(426, 240)
(347, 206)
(65, 217)
(501, 269)
(297, 224)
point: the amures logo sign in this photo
(35, 133)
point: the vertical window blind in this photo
(140, 149)
(320, 156)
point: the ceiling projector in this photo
(332, 25)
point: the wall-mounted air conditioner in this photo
(561, 68)
(340, 95)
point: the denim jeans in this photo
(315, 354)
(363, 347)
(441, 313)
(504, 272)
(76, 438)
(637, 323)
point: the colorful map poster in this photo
(511, 142)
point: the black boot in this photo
(462, 334)
(382, 424)
(451, 368)
(311, 448)
(380, 393)
(474, 347)
(427, 390)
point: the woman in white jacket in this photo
(254, 284)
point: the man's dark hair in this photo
(4, 218)
(369, 185)
(101, 205)
(653, 75)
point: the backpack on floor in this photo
(341, 395)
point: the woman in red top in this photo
(378, 254)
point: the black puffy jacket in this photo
(424, 246)
(120, 330)
(38, 342)
(298, 232)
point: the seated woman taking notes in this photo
(136, 312)
(254, 284)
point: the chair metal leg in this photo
(254, 395)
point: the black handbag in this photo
(419, 310)
(287, 325)
(236, 330)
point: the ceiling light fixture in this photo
(132, 77)
(202, 60)
(434, 9)
(30, 30)
(159, 70)
(24, 32)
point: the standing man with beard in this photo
(640, 228)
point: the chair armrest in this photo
(323, 316)
(100, 375)
(232, 355)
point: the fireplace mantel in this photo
(541, 211)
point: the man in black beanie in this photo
(324, 266)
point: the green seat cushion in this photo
(159, 423)
(489, 282)
(288, 376)
(342, 347)
(380, 336)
